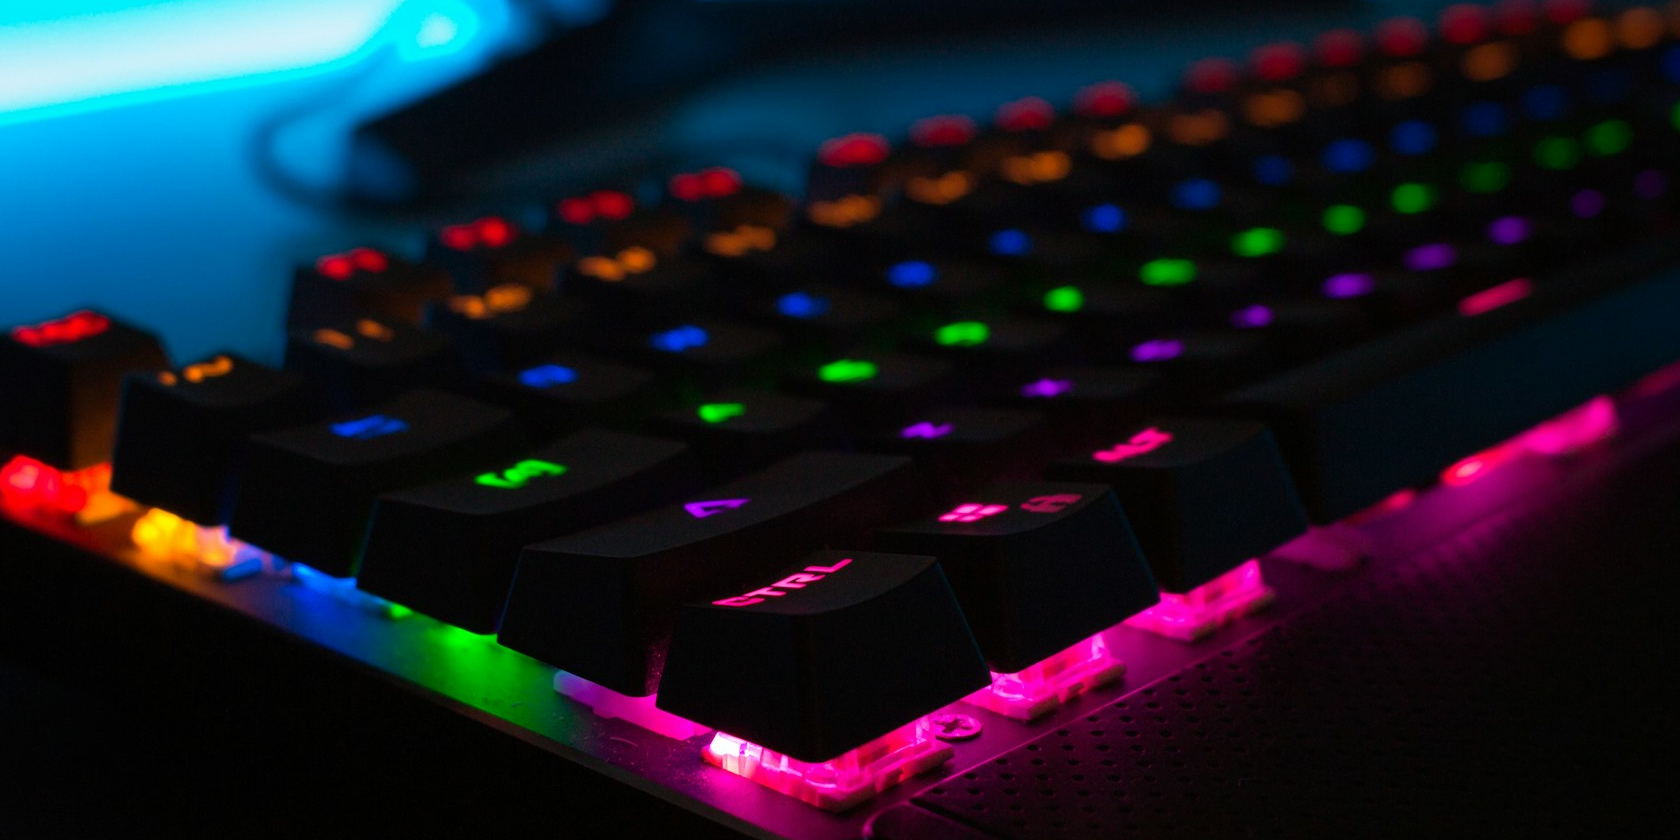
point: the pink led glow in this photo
(1431, 257)
(1665, 379)
(1478, 465)
(1349, 285)
(1054, 503)
(701, 510)
(1148, 440)
(972, 512)
(1049, 683)
(640, 711)
(1583, 426)
(1159, 350)
(1195, 614)
(1047, 388)
(795, 581)
(926, 430)
(842, 782)
(1503, 294)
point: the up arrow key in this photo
(701, 510)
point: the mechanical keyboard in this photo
(827, 516)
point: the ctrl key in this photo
(801, 667)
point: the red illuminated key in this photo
(786, 663)
(600, 604)
(59, 385)
(363, 282)
(1037, 566)
(492, 250)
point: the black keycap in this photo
(509, 326)
(991, 349)
(600, 604)
(488, 252)
(608, 221)
(635, 286)
(738, 431)
(957, 449)
(1206, 362)
(876, 390)
(1085, 402)
(369, 360)
(1037, 566)
(831, 320)
(939, 287)
(306, 493)
(1392, 413)
(61, 381)
(363, 282)
(181, 439)
(823, 655)
(1304, 329)
(703, 354)
(1204, 495)
(570, 390)
(847, 166)
(449, 549)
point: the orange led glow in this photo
(508, 297)
(1639, 28)
(1333, 89)
(1404, 80)
(637, 260)
(1129, 140)
(845, 211)
(333, 338)
(1038, 168)
(1274, 108)
(941, 190)
(1588, 39)
(369, 328)
(1199, 128)
(161, 535)
(741, 240)
(219, 366)
(1488, 62)
(601, 268)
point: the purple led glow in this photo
(1431, 257)
(1587, 203)
(701, 510)
(1349, 285)
(1509, 230)
(1047, 388)
(1159, 350)
(1650, 184)
(926, 430)
(1252, 317)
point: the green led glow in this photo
(1485, 177)
(1611, 137)
(1257, 242)
(962, 334)
(719, 412)
(520, 474)
(1674, 117)
(396, 611)
(1344, 219)
(847, 370)
(1064, 299)
(1413, 198)
(1167, 272)
(1557, 153)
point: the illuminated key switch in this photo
(831, 319)
(182, 435)
(306, 493)
(987, 350)
(638, 286)
(363, 282)
(509, 326)
(784, 664)
(878, 390)
(61, 380)
(569, 390)
(609, 220)
(1037, 566)
(1205, 495)
(600, 604)
(960, 448)
(1083, 403)
(491, 251)
(369, 360)
(738, 431)
(709, 353)
(448, 549)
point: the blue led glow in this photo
(1010, 243)
(1609, 86)
(801, 305)
(1349, 156)
(547, 376)
(1546, 103)
(1105, 218)
(1413, 137)
(912, 274)
(1671, 64)
(685, 337)
(1273, 170)
(1486, 119)
(367, 428)
(1196, 194)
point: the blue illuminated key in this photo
(568, 390)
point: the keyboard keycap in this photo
(181, 439)
(362, 283)
(1037, 566)
(600, 604)
(704, 353)
(1204, 495)
(823, 655)
(509, 326)
(369, 360)
(877, 390)
(958, 449)
(448, 549)
(567, 391)
(62, 380)
(306, 493)
(738, 431)
(491, 251)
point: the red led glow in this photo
(1047, 684)
(1464, 24)
(1488, 300)
(1030, 114)
(488, 232)
(1516, 17)
(612, 204)
(459, 237)
(1340, 47)
(945, 130)
(1105, 99)
(67, 330)
(575, 211)
(842, 782)
(1279, 62)
(1402, 37)
(854, 150)
(1566, 11)
(29, 485)
(1195, 614)
(494, 232)
(1212, 75)
(716, 182)
(336, 267)
(370, 260)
